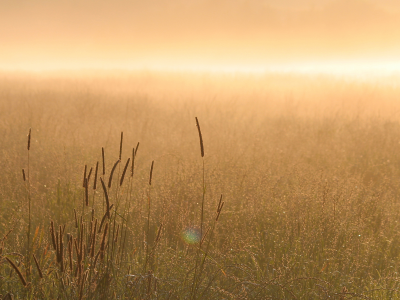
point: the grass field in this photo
(308, 168)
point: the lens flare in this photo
(191, 235)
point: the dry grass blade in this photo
(201, 138)
(92, 246)
(37, 266)
(6, 235)
(103, 241)
(70, 253)
(61, 249)
(123, 173)
(204, 236)
(133, 161)
(90, 173)
(112, 173)
(220, 205)
(81, 242)
(84, 177)
(76, 244)
(21, 277)
(89, 237)
(76, 219)
(120, 145)
(149, 276)
(106, 196)
(95, 176)
(57, 245)
(159, 233)
(96, 258)
(137, 147)
(79, 259)
(82, 285)
(116, 235)
(151, 172)
(104, 218)
(53, 237)
(219, 211)
(86, 192)
(29, 139)
(104, 163)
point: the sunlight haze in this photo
(249, 36)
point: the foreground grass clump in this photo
(310, 204)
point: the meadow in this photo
(297, 195)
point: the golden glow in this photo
(331, 36)
(359, 70)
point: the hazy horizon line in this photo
(312, 68)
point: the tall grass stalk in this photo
(28, 258)
(206, 251)
(95, 183)
(203, 185)
(196, 276)
(127, 211)
(148, 219)
(112, 238)
(103, 172)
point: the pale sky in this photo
(198, 34)
(387, 4)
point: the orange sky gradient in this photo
(231, 35)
